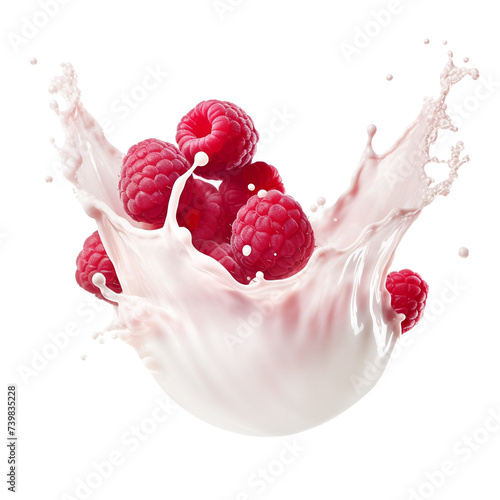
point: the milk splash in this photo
(272, 357)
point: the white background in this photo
(266, 56)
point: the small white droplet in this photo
(426, 41)
(251, 187)
(98, 279)
(83, 357)
(53, 105)
(335, 219)
(201, 159)
(262, 193)
(48, 179)
(321, 201)
(246, 250)
(389, 77)
(463, 252)
(259, 275)
(275, 254)
(445, 42)
(466, 59)
(314, 208)
(33, 61)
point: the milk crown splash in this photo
(272, 357)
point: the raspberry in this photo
(149, 171)
(408, 296)
(273, 235)
(94, 259)
(238, 188)
(223, 131)
(204, 216)
(223, 254)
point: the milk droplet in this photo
(314, 208)
(275, 254)
(445, 42)
(251, 187)
(389, 77)
(83, 357)
(262, 193)
(246, 250)
(321, 201)
(201, 159)
(335, 219)
(49, 179)
(98, 279)
(463, 252)
(426, 41)
(33, 61)
(466, 59)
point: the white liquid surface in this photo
(271, 357)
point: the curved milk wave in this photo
(273, 357)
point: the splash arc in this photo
(273, 357)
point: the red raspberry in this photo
(204, 216)
(408, 296)
(236, 189)
(149, 171)
(273, 235)
(94, 259)
(223, 131)
(223, 254)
